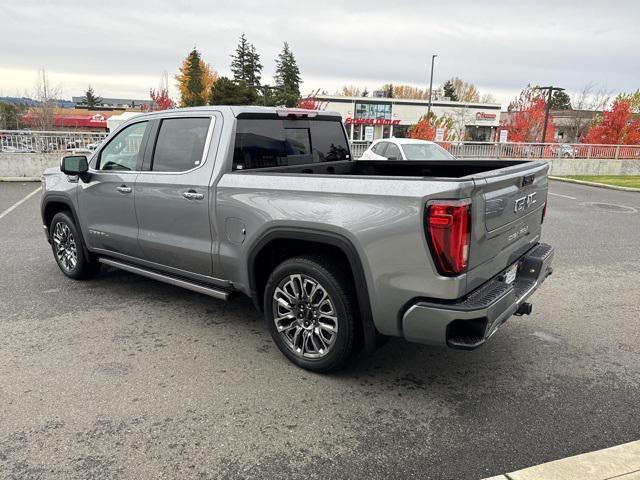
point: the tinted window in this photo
(393, 152)
(124, 150)
(180, 144)
(265, 142)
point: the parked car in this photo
(405, 149)
(336, 253)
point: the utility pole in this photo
(550, 89)
(433, 58)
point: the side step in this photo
(195, 287)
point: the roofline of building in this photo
(408, 101)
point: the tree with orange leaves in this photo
(426, 127)
(526, 117)
(615, 127)
(311, 102)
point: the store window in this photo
(373, 111)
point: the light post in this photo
(433, 59)
(550, 89)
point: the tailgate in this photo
(507, 218)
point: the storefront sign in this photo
(370, 121)
(439, 135)
(503, 136)
(485, 116)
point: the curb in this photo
(621, 462)
(594, 184)
(19, 179)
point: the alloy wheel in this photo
(305, 316)
(65, 246)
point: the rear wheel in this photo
(67, 248)
(309, 307)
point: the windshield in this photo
(426, 151)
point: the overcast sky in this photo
(122, 47)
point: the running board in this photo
(195, 287)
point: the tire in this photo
(305, 336)
(68, 249)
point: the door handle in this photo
(193, 195)
(124, 189)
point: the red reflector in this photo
(448, 229)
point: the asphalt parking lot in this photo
(124, 377)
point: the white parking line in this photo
(563, 196)
(17, 204)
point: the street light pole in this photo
(433, 58)
(550, 89)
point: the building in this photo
(371, 118)
(118, 103)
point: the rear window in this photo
(180, 144)
(262, 143)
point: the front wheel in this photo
(67, 248)
(310, 310)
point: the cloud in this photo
(123, 47)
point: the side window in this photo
(379, 148)
(393, 152)
(124, 150)
(180, 144)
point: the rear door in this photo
(506, 217)
(172, 195)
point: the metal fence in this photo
(528, 150)
(30, 141)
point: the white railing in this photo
(528, 150)
(32, 141)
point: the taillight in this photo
(544, 212)
(448, 225)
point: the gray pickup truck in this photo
(338, 253)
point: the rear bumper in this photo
(469, 322)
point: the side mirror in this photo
(392, 157)
(74, 165)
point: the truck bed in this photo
(400, 168)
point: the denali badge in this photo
(525, 202)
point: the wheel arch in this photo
(280, 243)
(53, 204)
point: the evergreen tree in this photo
(191, 81)
(287, 78)
(449, 91)
(228, 92)
(560, 101)
(245, 63)
(90, 99)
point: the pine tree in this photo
(245, 63)
(90, 98)
(287, 74)
(191, 81)
(449, 91)
(560, 101)
(287, 78)
(229, 92)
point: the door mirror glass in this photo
(74, 164)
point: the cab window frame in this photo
(155, 130)
(96, 161)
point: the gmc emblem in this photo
(525, 202)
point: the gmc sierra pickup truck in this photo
(337, 253)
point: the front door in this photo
(173, 195)
(106, 201)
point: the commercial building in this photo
(371, 118)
